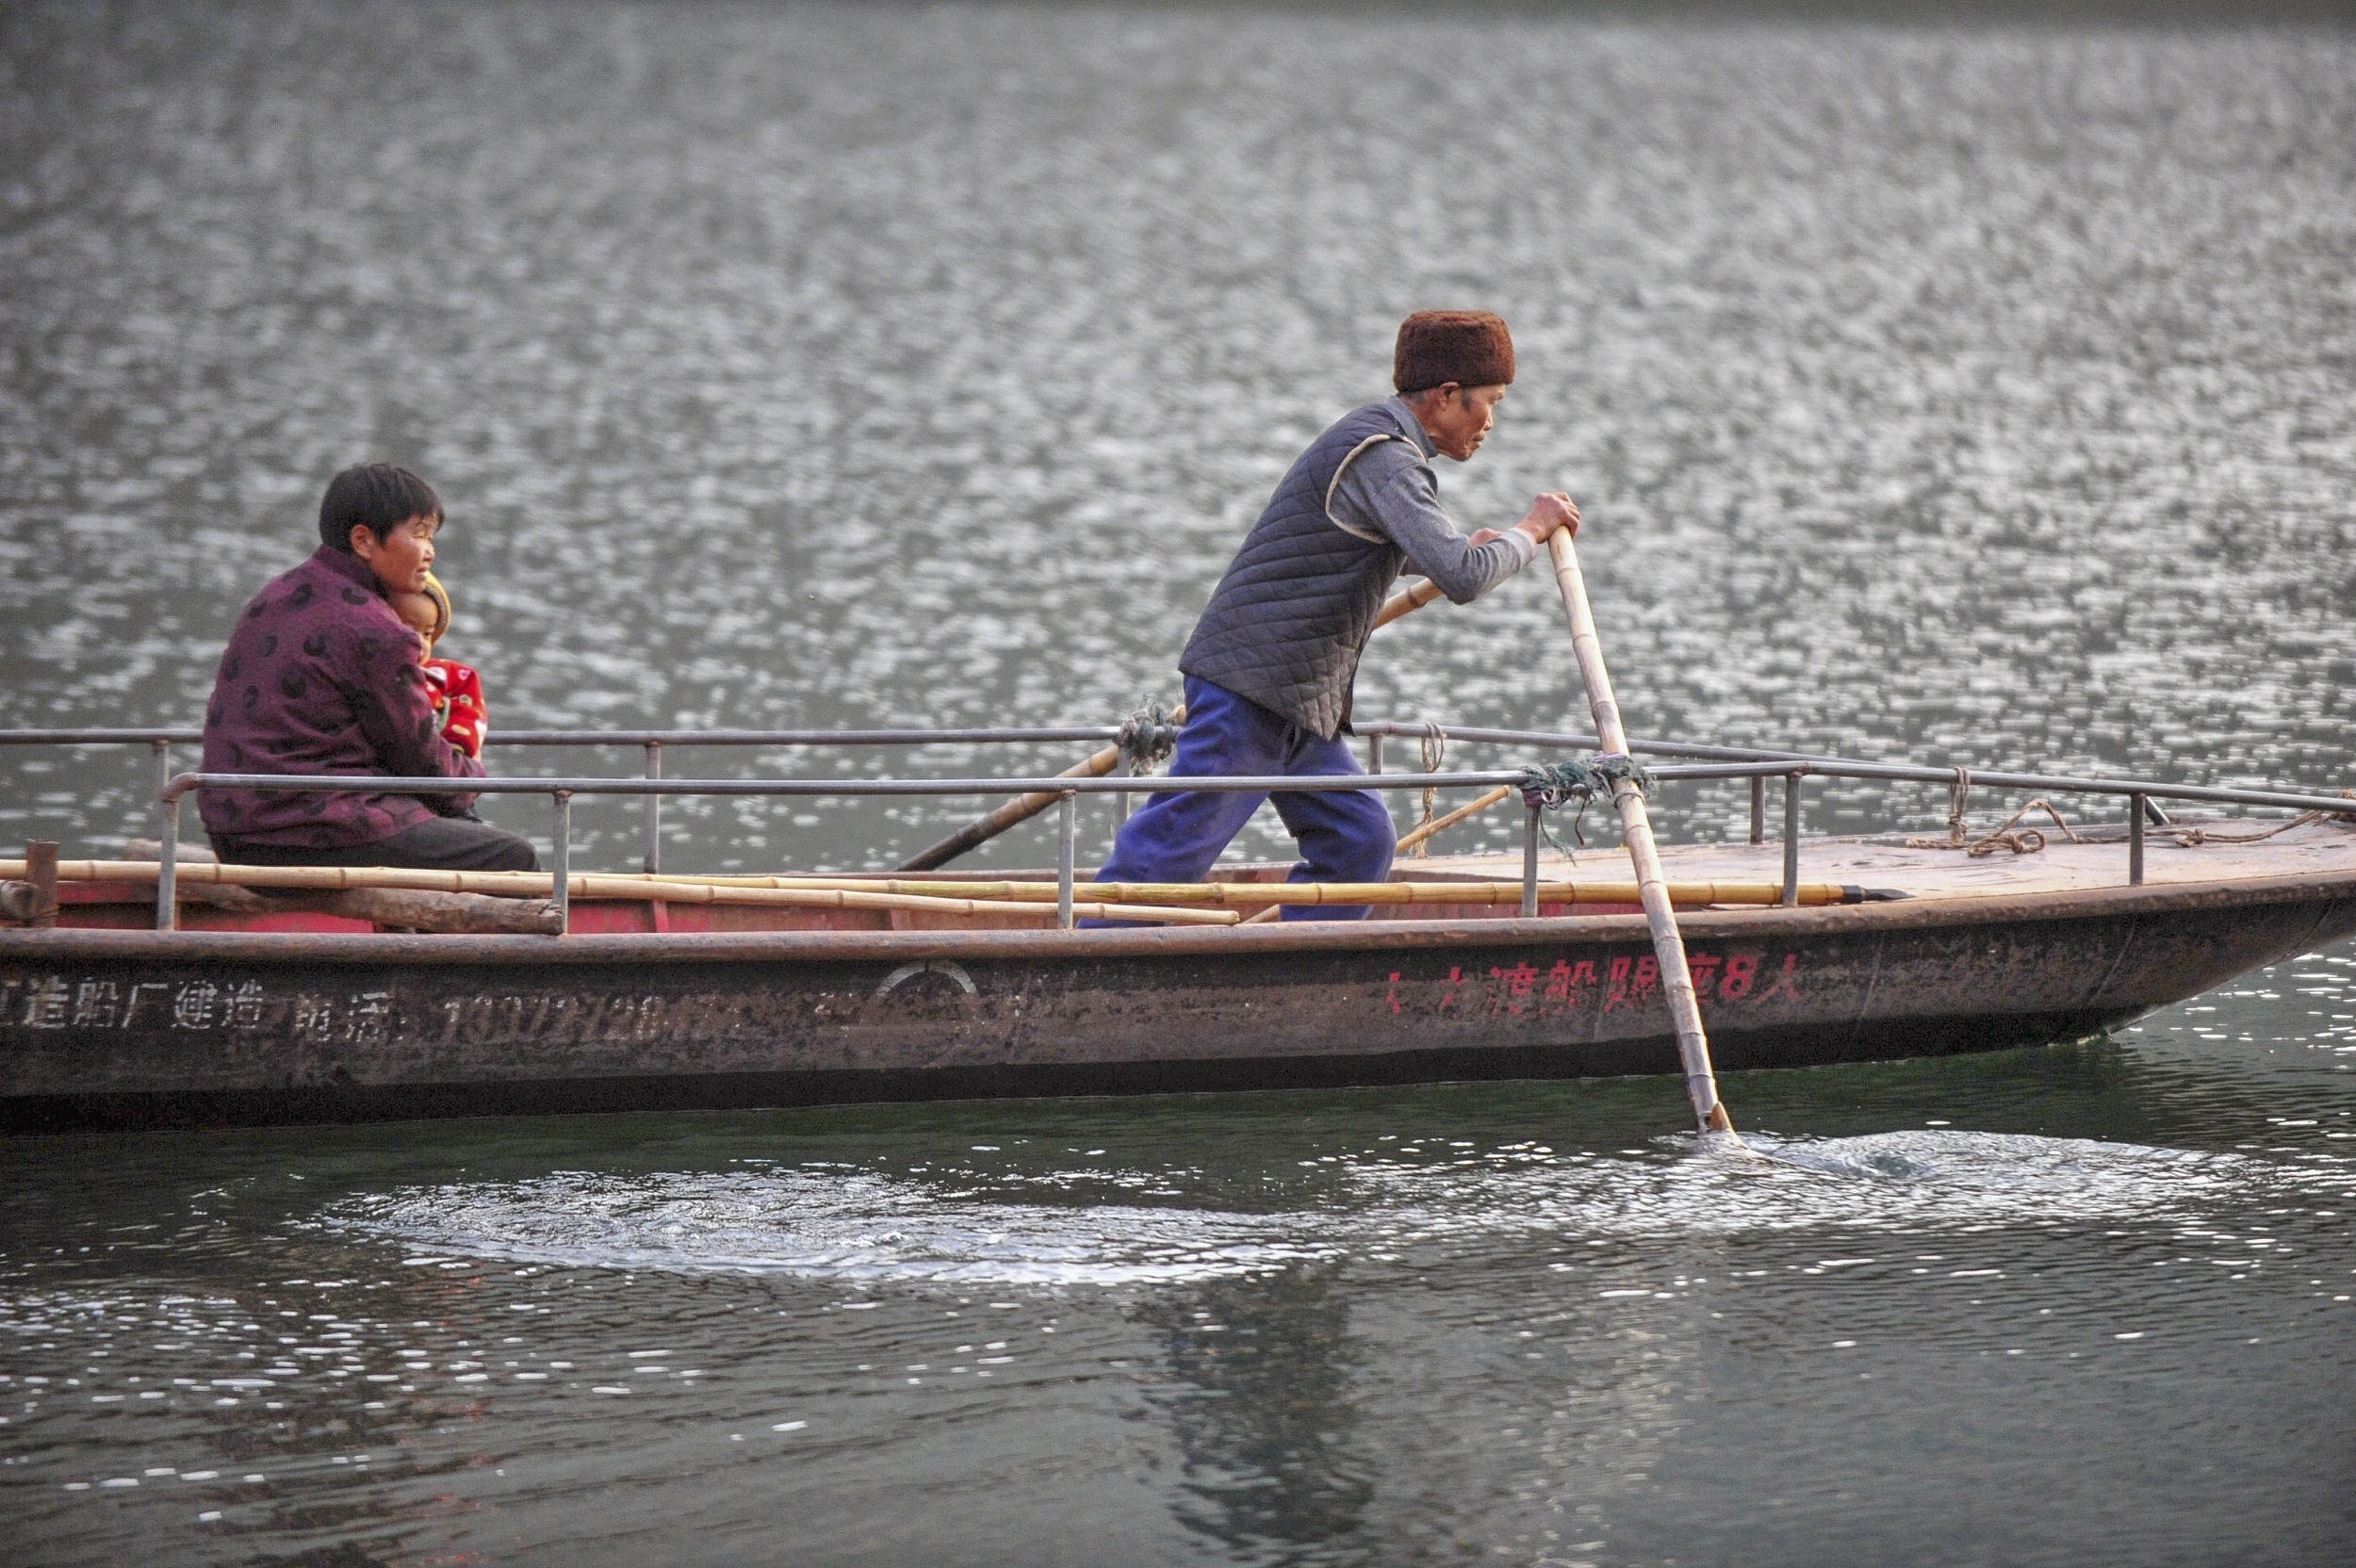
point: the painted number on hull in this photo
(1608, 986)
(375, 1018)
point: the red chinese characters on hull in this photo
(1574, 986)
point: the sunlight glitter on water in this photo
(2007, 354)
(1919, 1180)
(1975, 391)
(847, 1227)
(869, 1227)
(1209, 1282)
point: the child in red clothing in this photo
(459, 708)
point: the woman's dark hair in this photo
(377, 496)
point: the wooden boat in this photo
(276, 1007)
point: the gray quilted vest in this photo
(1286, 624)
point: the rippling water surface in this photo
(2048, 1306)
(1978, 391)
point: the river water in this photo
(1977, 391)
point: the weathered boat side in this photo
(121, 1028)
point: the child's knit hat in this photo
(440, 595)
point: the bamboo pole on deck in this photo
(1701, 1082)
(1697, 893)
(525, 884)
(1134, 899)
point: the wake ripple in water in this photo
(1916, 1180)
(859, 1226)
(848, 1227)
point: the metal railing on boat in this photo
(652, 742)
(2139, 793)
(1375, 732)
(1703, 762)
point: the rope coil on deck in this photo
(2028, 840)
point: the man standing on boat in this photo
(1270, 667)
(323, 677)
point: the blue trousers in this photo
(1345, 836)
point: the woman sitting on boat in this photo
(322, 678)
(1270, 667)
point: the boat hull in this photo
(139, 1029)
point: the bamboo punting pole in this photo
(1023, 807)
(1676, 981)
(593, 885)
(1406, 602)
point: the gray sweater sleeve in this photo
(1389, 492)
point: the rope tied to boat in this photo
(2029, 840)
(1434, 745)
(1147, 738)
(2185, 837)
(1552, 786)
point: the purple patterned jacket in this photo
(322, 677)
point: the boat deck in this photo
(1884, 860)
(315, 1013)
(394, 994)
(2228, 851)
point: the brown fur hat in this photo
(1470, 348)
